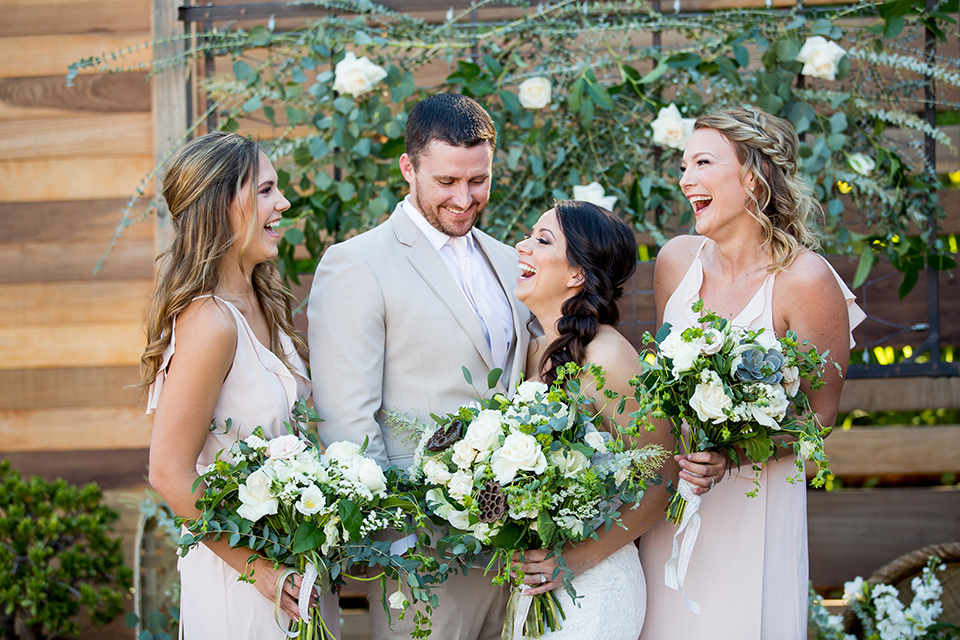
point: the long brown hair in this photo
(201, 182)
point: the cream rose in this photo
(331, 534)
(670, 129)
(791, 380)
(594, 194)
(356, 76)
(311, 501)
(806, 449)
(463, 454)
(569, 462)
(484, 430)
(683, 354)
(527, 391)
(595, 440)
(285, 447)
(460, 485)
(398, 601)
(342, 451)
(256, 497)
(519, 452)
(534, 93)
(436, 472)
(775, 408)
(709, 401)
(861, 163)
(366, 473)
(768, 341)
(712, 341)
(820, 57)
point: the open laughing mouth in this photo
(526, 271)
(271, 228)
(700, 202)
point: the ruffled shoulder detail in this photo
(855, 314)
(153, 395)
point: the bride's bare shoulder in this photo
(615, 354)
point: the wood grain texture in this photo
(44, 17)
(900, 394)
(80, 387)
(118, 469)
(75, 303)
(50, 97)
(73, 428)
(52, 262)
(69, 222)
(98, 136)
(77, 178)
(854, 532)
(51, 55)
(874, 451)
(108, 345)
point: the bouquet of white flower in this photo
(737, 390)
(314, 512)
(534, 472)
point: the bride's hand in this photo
(704, 469)
(538, 570)
(266, 582)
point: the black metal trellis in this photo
(206, 16)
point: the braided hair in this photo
(604, 249)
(782, 202)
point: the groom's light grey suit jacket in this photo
(389, 328)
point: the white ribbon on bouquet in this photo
(675, 570)
(310, 575)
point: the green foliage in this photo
(338, 152)
(57, 559)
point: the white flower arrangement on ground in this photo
(881, 613)
(532, 473)
(312, 511)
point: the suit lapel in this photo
(435, 273)
(506, 276)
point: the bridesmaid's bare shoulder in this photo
(673, 261)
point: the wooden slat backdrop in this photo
(70, 340)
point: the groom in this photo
(396, 312)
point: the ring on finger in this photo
(543, 578)
(712, 482)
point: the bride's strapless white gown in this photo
(612, 598)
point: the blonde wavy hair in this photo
(200, 184)
(782, 202)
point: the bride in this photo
(573, 267)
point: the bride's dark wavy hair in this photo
(604, 248)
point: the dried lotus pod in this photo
(492, 502)
(445, 436)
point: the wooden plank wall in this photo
(69, 158)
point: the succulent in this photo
(759, 366)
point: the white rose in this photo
(256, 497)
(594, 194)
(862, 164)
(684, 354)
(791, 380)
(712, 341)
(820, 57)
(481, 531)
(806, 449)
(484, 430)
(311, 501)
(463, 454)
(398, 601)
(534, 93)
(569, 462)
(519, 452)
(342, 451)
(331, 535)
(460, 485)
(596, 440)
(436, 472)
(367, 473)
(356, 76)
(527, 391)
(670, 129)
(768, 341)
(709, 401)
(775, 408)
(285, 447)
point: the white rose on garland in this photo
(820, 57)
(534, 93)
(594, 194)
(861, 163)
(356, 76)
(670, 129)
